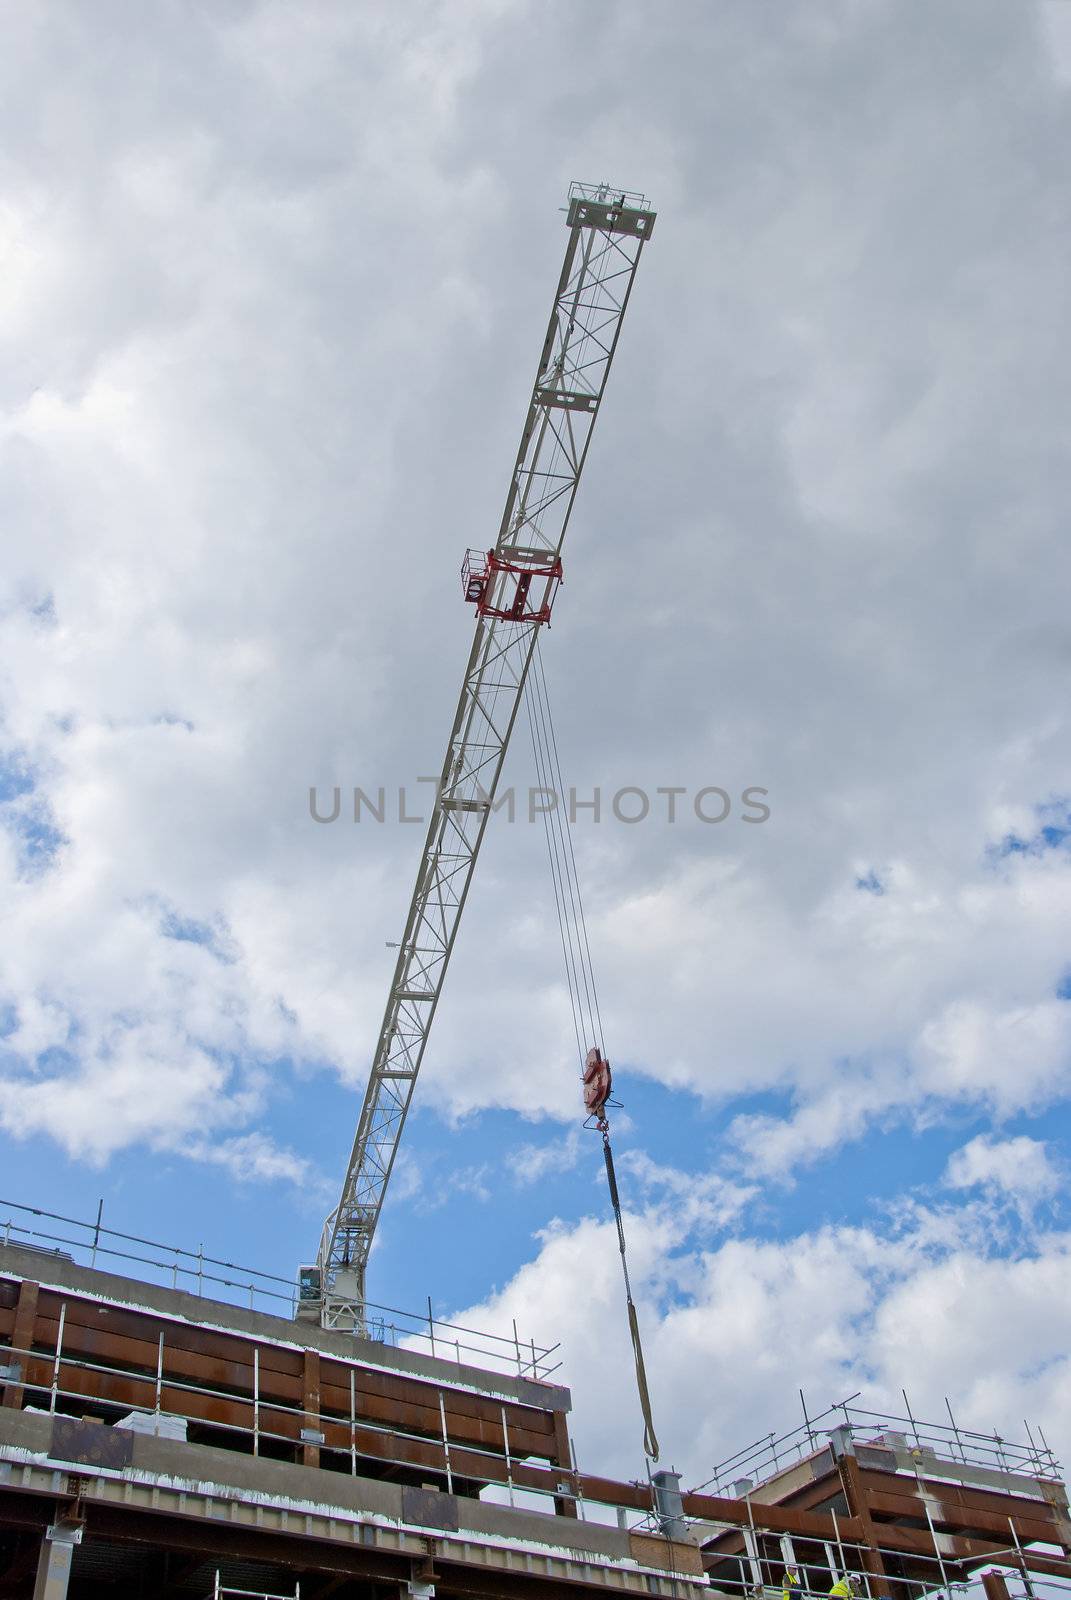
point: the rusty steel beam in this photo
(964, 1519)
(562, 1460)
(290, 1395)
(965, 1495)
(816, 1493)
(381, 1397)
(1048, 1566)
(22, 1325)
(133, 1391)
(775, 1518)
(995, 1586)
(960, 1550)
(312, 1422)
(859, 1505)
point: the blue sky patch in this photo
(1053, 832)
(38, 839)
(185, 929)
(41, 840)
(27, 817)
(189, 930)
(15, 780)
(54, 1061)
(467, 1181)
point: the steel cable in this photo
(579, 972)
(555, 873)
(564, 861)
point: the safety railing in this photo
(931, 1576)
(275, 1427)
(772, 1454)
(60, 1382)
(936, 1450)
(451, 1341)
(226, 1592)
(92, 1244)
(605, 191)
(882, 1570)
(223, 1591)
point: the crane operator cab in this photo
(310, 1293)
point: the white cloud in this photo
(531, 1163)
(1055, 19)
(733, 1332)
(1020, 1168)
(272, 325)
(698, 1201)
(274, 285)
(254, 1157)
(144, 1090)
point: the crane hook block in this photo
(598, 1082)
(518, 588)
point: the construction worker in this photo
(790, 1584)
(844, 1588)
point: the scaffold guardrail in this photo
(92, 1244)
(754, 1572)
(773, 1453)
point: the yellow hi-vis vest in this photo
(843, 1589)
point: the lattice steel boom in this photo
(513, 588)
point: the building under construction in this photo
(159, 1440)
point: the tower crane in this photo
(512, 586)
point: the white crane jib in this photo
(513, 588)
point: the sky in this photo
(275, 282)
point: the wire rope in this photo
(579, 972)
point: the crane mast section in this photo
(605, 243)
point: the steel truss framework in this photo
(607, 232)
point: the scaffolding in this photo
(773, 1453)
(209, 1277)
(889, 1507)
(221, 1591)
(146, 1432)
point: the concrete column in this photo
(54, 1564)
